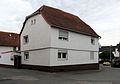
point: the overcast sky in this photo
(102, 15)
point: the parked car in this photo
(116, 62)
(107, 63)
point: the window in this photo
(63, 35)
(92, 55)
(62, 55)
(26, 55)
(33, 21)
(25, 39)
(93, 41)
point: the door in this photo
(17, 61)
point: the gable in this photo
(59, 19)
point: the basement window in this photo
(63, 35)
(62, 55)
(26, 55)
(25, 39)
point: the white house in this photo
(9, 43)
(54, 40)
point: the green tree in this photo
(106, 55)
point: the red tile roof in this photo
(59, 19)
(9, 39)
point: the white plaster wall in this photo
(80, 44)
(39, 34)
(75, 41)
(6, 57)
(74, 57)
(38, 57)
(39, 37)
(5, 49)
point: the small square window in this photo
(62, 55)
(26, 55)
(25, 39)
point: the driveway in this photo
(106, 75)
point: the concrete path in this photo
(106, 75)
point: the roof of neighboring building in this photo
(59, 19)
(9, 39)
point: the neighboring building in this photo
(54, 40)
(9, 43)
(114, 49)
(118, 50)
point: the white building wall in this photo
(78, 46)
(5, 58)
(39, 37)
(38, 33)
(75, 41)
(37, 57)
(42, 36)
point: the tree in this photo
(106, 56)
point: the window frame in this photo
(26, 55)
(61, 53)
(61, 36)
(33, 21)
(25, 39)
(92, 41)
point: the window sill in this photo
(62, 59)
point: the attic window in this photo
(93, 41)
(33, 21)
(63, 35)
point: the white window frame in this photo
(63, 35)
(92, 55)
(92, 41)
(26, 55)
(25, 39)
(61, 53)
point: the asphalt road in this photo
(106, 75)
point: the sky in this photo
(102, 15)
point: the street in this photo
(106, 75)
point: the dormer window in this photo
(63, 35)
(93, 41)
